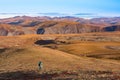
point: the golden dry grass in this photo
(95, 49)
(21, 54)
(27, 59)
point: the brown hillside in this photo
(64, 56)
(6, 30)
(66, 27)
(20, 53)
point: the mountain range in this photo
(20, 25)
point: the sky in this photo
(80, 8)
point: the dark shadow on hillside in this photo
(44, 42)
(41, 31)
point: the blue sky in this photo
(66, 7)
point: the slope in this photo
(25, 56)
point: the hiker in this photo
(40, 65)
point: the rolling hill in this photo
(60, 55)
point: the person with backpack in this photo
(40, 65)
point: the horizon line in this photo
(55, 14)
